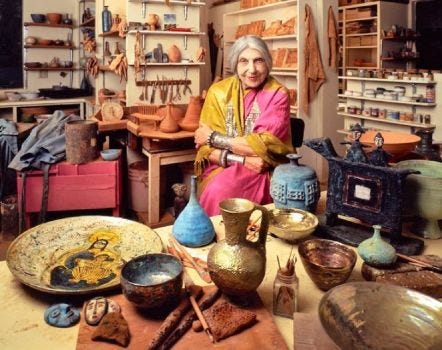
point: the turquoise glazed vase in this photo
(193, 227)
(375, 251)
(294, 186)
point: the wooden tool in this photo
(188, 284)
(420, 263)
(201, 272)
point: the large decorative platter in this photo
(78, 255)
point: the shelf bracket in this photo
(186, 12)
(185, 42)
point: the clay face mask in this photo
(95, 310)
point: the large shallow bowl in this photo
(152, 281)
(78, 255)
(292, 224)
(398, 144)
(328, 263)
(371, 315)
(423, 196)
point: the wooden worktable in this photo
(22, 325)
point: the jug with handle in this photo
(236, 264)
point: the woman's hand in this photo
(255, 163)
(201, 135)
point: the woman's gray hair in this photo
(249, 42)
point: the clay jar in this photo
(169, 124)
(192, 116)
(174, 54)
(152, 21)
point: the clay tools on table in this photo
(182, 251)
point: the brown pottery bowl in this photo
(328, 263)
(152, 281)
(372, 315)
(398, 144)
(54, 18)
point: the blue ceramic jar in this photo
(106, 18)
(193, 227)
(295, 186)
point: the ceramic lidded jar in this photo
(375, 251)
(295, 186)
(193, 227)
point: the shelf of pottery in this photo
(164, 66)
(276, 24)
(45, 33)
(110, 64)
(391, 101)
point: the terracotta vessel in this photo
(174, 54)
(54, 18)
(169, 124)
(192, 116)
(236, 264)
(152, 21)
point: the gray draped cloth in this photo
(8, 149)
(45, 145)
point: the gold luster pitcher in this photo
(237, 265)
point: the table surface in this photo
(22, 309)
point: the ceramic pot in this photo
(176, 111)
(423, 196)
(152, 21)
(236, 264)
(375, 251)
(193, 227)
(174, 54)
(192, 116)
(295, 186)
(169, 124)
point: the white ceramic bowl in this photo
(110, 154)
(29, 95)
(13, 95)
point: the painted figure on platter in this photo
(91, 266)
(379, 156)
(244, 129)
(356, 151)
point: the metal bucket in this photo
(81, 141)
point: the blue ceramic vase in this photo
(106, 19)
(193, 227)
(294, 186)
(375, 251)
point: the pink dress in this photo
(265, 111)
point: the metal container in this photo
(81, 141)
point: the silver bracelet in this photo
(235, 158)
(223, 158)
(219, 140)
(209, 139)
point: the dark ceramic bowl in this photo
(38, 18)
(371, 315)
(328, 263)
(152, 281)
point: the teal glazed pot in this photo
(193, 227)
(295, 186)
(423, 196)
(375, 251)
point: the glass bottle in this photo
(285, 292)
(106, 18)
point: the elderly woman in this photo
(244, 129)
